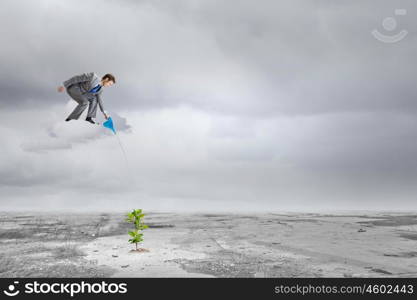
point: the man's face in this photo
(107, 82)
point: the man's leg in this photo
(92, 108)
(75, 93)
(76, 113)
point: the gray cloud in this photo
(43, 146)
(270, 59)
(272, 104)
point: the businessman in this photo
(86, 90)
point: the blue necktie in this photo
(95, 89)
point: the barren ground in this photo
(210, 245)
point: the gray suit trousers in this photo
(83, 100)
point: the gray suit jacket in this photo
(86, 82)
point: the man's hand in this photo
(106, 116)
(61, 89)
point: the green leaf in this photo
(135, 217)
(136, 240)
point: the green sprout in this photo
(136, 217)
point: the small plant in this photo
(136, 217)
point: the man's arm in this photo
(78, 78)
(100, 104)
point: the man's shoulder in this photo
(93, 78)
(92, 74)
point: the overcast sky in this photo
(220, 105)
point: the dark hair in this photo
(109, 77)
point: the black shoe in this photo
(90, 120)
(68, 119)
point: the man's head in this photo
(108, 80)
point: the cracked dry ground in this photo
(234, 245)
